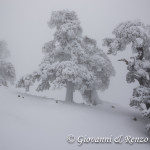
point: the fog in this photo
(23, 25)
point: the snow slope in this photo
(36, 123)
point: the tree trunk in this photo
(147, 105)
(69, 92)
(95, 98)
(92, 97)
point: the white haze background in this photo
(23, 25)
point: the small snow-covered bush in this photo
(148, 128)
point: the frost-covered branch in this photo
(130, 32)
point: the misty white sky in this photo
(23, 25)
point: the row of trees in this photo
(75, 62)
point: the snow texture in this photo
(36, 123)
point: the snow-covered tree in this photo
(71, 60)
(131, 32)
(98, 63)
(138, 35)
(7, 70)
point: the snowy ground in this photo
(36, 123)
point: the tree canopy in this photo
(133, 32)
